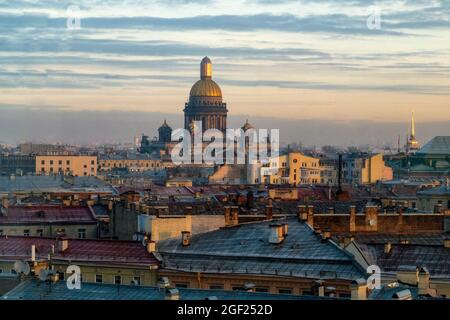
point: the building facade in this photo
(129, 163)
(67, 165)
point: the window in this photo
(98, 278)
(117, 279)
(1, 232)
(85, 166)
(136, 281)
(40, 232)
(285, 290)
(42, 169)
(51, 161)
(60, 162)
(181, 285)
(68, 162)
(1, 270)
(13, 271)
(42, 161)
(81, 233)
(238, 288)
(216, 287)
(26, 233)
(261, 289)
(93, 162)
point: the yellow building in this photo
(294, 168)
(366, 169)
(74, 165)
(131, 164)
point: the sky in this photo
(286, 59)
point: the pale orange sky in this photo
(295, 59)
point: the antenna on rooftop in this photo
(22, 268)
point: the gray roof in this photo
(437, 191)
(35, 290)
(424, 250)
(245, 249)
(43, 183)
(437, 145)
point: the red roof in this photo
(110, 252)
(47, 214)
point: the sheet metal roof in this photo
(35, 290)
(37, 183)
(245, 249)
(438, 145)
(124, 253)
(47, 214)
(426, 250)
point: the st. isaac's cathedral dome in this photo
(206, 87)
(205, 101)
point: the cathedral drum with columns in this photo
(205, 102)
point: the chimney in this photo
(227, 215)
(424, 281)
(63, 244)
(163, 283)
(234, 215)
(186, 238)
(359, 289)
(110, 205)
(188, 211)
(330, 292)
(346, 240)
(388, 247)
(5, 203)
(33, 252)
(319, 288)
(276, 233)
(447, 243)
(285, 229)
(249, 287)
(326, 235)
(269, 212)
(352, 222)
(408, 275)
(151, 246)
(172, 294)
(310, 216)
(438, 208)
(302, 214)
(371, 218)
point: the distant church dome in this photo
(247, 126)
(206, 87)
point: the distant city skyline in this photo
(285, 60)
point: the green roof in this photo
(437, 145)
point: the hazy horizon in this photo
(46, 125)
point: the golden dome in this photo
(206, 88)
